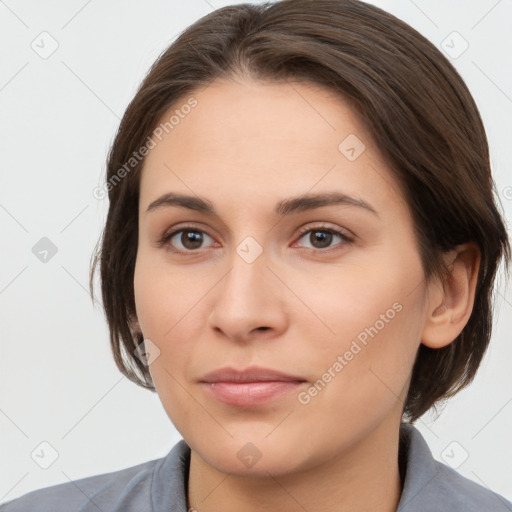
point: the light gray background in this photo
(58, 116)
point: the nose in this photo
(249, 301)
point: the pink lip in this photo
(249, 387)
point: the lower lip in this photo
(244, 394)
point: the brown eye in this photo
(185, 240)
(191, 239)
(320, 239)
(323, 238)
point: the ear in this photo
(450, 302)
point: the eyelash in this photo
(164, 241)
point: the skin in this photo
(244, 147)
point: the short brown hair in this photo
(408, 95)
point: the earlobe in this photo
(451, 303)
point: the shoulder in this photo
(106, 491)
(457, 492)
(433, 486)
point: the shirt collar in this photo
(420, 467)
(170, 478)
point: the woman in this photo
(299, 257)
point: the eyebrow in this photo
(283, 208)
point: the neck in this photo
(365, 478)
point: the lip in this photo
(249, 387)
(250, 374)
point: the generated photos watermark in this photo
(101, 192)
(358, 343)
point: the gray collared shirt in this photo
(160, 486)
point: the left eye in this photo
(322, 238)
(192, 239)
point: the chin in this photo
(246, 455)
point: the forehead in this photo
(234, 115)
(255, 138)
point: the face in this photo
(331, 294)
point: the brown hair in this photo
(409, 96)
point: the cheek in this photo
(161, 302)
(371, 318)
(169, 308)
(162, 296)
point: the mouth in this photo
(250, 387)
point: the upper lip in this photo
(251, 374)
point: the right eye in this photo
(190, 239)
